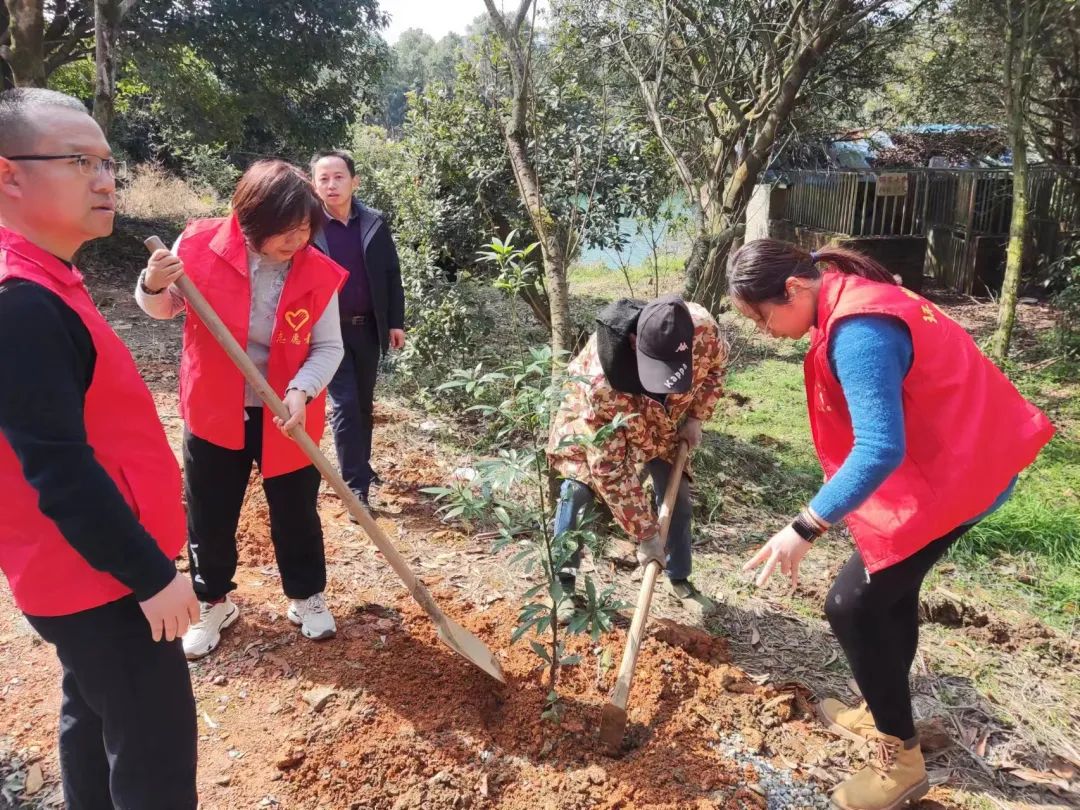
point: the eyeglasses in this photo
(89, 165)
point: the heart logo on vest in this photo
(297, 318)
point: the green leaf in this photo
(540, 651)
(534, 590)
(520, 631)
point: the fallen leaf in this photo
(208, 720)
(1039, 778)
(1060, 766)
(755, 636)
(35, 781)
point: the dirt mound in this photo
(415, 726)
(696, 642)
(1014, 637)
(949, 610)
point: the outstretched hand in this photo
(786, 549)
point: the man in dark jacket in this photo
(372, 305)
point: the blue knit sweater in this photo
(870, 356)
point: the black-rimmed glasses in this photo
(89, 165)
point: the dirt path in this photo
(383, 717)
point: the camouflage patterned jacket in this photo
(613, 468)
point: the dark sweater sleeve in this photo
(870, 356)
(395, 292)
(45, 371)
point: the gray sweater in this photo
(267, 281)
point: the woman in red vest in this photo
(278, 296)
(920, 437)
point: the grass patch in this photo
(1037, 531)
(641, 281)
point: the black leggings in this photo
(876, 620)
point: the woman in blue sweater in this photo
(920, 437)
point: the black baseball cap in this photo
(665, 346)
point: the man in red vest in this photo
(92, 517)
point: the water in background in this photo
(669, 231)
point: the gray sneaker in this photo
(313, 617)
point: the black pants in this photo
(127, 720)
(352, 394)
(215, 480)
(876, 620)
(576, 499)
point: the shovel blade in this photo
(612, 726)
(469, 647)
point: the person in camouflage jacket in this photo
(660, 367)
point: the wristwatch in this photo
(806, 527)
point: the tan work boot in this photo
(895, 776)
(851, 723)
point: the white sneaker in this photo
(313, 617)
(204, 636)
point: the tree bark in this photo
(25, 53)
(709, 282)
(1018, 56)
(706, 267)
(108, 18)
(515, 133)
(7, 81)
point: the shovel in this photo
(453, 635)
(613, 717)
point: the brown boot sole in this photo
(837, 729)
(914, 793)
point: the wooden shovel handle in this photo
(621, 693)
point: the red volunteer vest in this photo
(47, 576)
(211, 386)
(968, 430)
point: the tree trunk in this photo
(516, 134)
(1019, 47)
(25, 55)
(108, 15)
(558, 289)
(706, 268)
(1014, 264)
(7, 81)
(710, 284)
